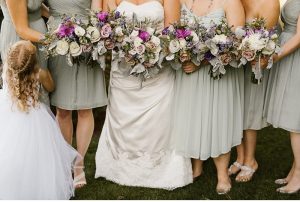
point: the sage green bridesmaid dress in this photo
(80, 86)
(283, 87)
(9, 36)
(208, 113)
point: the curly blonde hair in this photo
(21, 75)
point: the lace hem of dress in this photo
(163, 170)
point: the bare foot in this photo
(293, 186)
(224, 185)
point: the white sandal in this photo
(236, 164)
(246, 171)
(79, 179)
(281, 181)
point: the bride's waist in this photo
(122, 79)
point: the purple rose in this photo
(145, 36)
(66, 30)
(182, 33)
(102, 16)
(106, 31)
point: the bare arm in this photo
(45, 11)
(235, 13)
(96, 5)
(46, 80)
(291, 45)
(18, 12)
(172, 11)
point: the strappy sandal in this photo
(236, 164)
(246, 171)
(281, 181)
(80, 180)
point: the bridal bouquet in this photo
(222, 45)
(68, 39)
(101, 32)
(258, 42)
(180, 43)
(140, 47)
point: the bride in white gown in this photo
(133, 146)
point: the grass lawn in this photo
(273, 154)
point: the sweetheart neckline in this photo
(139, 5)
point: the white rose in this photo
(75, 49)
(79, 31)
(274, 36)
(154, 60)
(93, 34)
(220, 39)
(137, 42)
(140, 49)
(62, 47)
(240, 32)
(134, 33)
(174, 46)
(256, 42)
(195, 37)
(270, 48)
(182, 43)
(155, 40)
(150, 30)
(119, 31)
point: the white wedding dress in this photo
(133, 147)
(35, 160)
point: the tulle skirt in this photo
(36, 161)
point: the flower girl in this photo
(35, 159)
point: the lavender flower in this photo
(182, 33)
(102, 16)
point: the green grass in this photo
(273, 154)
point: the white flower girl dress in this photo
(36, 162)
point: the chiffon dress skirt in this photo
(283, 87)
(255, 96)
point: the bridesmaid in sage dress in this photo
(208, 113)
(24, 23)
(283, 90)
(79, 87)
(255, 95)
